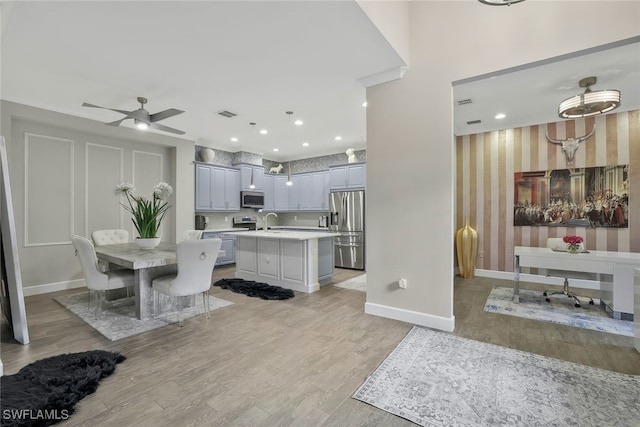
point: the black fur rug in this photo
(255, 289)
(46, 392)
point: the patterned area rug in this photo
(560, 310)
(439, 379)
(118, 319)
(358, 283)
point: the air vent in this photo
(226, 113)
(474, 122)
(465, 101)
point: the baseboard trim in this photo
(409, 316)
(53, 287)
(536, 278)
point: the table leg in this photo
(144, 293)
(516, 279)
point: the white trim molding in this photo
(46, 288)
(413, 317)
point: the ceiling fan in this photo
(141, 117)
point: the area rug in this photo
(118, 319)
(255, 289)
(439, 379)
(559, 310)
(46, 392)
(358, 283)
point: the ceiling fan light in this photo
(589, 104)
(500, 2)
(140, 124)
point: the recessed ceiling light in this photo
(276, 149)
(305, 144)
(501, 116)
(364, 104)
(338, 138)
(298, 122)
(264, 131)
(234, 139)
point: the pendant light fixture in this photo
(500, 2)
(589, 103)
(289, 182)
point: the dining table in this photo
(147, 265)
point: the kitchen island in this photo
(297, 260)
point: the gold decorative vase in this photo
(467, 249)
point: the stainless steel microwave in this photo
(252, 199)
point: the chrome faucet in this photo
(266, 220)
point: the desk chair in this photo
(96, 280)
(558, 243)
(195, 259)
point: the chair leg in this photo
(565, 291)
(155, 304)
(98, 310)
(205, 303)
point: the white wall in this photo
(410, 141)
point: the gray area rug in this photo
(118, 319)
(358, 283)
(439, 379)
(559, 310)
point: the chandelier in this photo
(589, 103)
(500, 2)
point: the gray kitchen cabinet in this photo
(280, 193)
(310, 192)
(228, 246)
(276, 193)
(347, 177)
(269, 199)
(217, 188)
(251, 174)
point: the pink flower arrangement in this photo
(573, 242)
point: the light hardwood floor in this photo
(278, 363)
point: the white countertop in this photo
(294, 227)
(224, 230)
(289, 235)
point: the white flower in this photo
(162, 190)
(124, 188)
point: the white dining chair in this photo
(192, 235)
(196, 260)
(109, 237)
(98, 281)
(558, 243)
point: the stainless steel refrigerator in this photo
(346, 216)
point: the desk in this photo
(617, 295)
(147, 265)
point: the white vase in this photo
(147, 243)
(207, 154)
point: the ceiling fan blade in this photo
(86, 104)
(117, 122)
(165, 114)
(165, 128)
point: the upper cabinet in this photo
(309, 192)
(217, 188)
(276, 193)
(348, 177)
(251, 175)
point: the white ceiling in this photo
(259, 60)
(530, 94)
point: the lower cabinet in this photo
(228, 246)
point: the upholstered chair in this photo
(192, 235)
(97, 281)
(109, 237)
(195, 259)
(558, 243)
